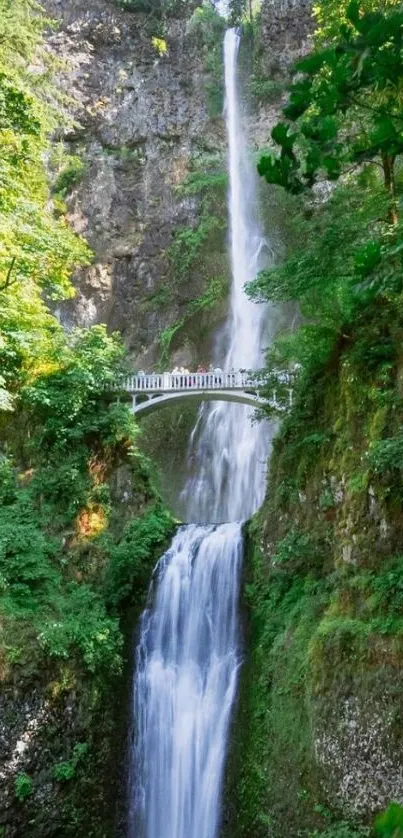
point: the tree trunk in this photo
(388, 163)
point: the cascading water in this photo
(188, 655)
(229, 453)
(187, 666)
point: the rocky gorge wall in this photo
(142, 125)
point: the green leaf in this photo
(389, 824)
(367, 258)
(280, 134)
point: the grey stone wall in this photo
(285, 34)
(141, 117)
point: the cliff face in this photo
(286, 26)
(143, 125)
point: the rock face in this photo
(142, 117)
(285, 31)
(357, 749)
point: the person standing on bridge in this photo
(218, 375)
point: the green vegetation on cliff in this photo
(198, 254)
(81, 522)
(318, 742)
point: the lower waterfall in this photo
(187, 666)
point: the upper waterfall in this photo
(229, 452)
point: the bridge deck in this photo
(196, 381)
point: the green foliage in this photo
(70, 176)
(389, 824)
(207, 26)
(195, 251)
(200, 182)
(26, 569)
(321, 272)
(188, 243)
(345, 104)
(73, 402)
(215, 292)
(274, 734)
(23, 787)
(330, 15)
(38, 252)
(129, 568)
(238, 11)
(66, 770)
(265, 90)
(339, 288)
(313, 636)
(297, 550)
(78, 431)
(342, 829)
(160, 45)
(80, 626)
(209, 183)
(387, 454)
(69, 428)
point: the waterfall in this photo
(227, 451)
(187, 663)
(188, 654)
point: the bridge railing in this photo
(165, 382)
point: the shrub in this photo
(69, 176)
(386, 454)
(81, 625)
(23, 787)
(129, 566)
(65, 771)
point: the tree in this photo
(38, 251)
(330, 15)
(346, 106)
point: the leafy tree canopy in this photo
(344, 106)
(38, 251)
(331, 14)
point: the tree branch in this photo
(8, 281)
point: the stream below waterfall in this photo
(188, 655)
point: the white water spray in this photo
(228, 452)
(188, 659)
(188, 654)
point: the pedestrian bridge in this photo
(152, 391)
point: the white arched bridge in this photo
(154, 390)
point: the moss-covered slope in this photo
(318, 738)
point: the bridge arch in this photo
(161, 400)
